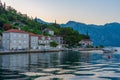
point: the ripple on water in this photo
(111, 74)
(84, 73)
(62, 77)
(35, 74)
(65, 71)
(87, 78)
(49, 70)
(87, 68)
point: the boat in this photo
(109, 50)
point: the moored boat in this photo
(109, 50)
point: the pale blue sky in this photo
(86, 11)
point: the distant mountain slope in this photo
(40, 21)
(107, 35)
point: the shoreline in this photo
(89, 49)
(44, 51)
(28, 51)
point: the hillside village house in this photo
(14, 39)
(48, 31)
(58, 40)
(86, 43)
(44, 42)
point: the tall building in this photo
(33, 41)
(15, 39)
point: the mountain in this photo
(107, 35)
(40, 21)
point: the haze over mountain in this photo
(107, 35)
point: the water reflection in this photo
(59, 65)
(24, 62)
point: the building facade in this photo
(33, 41)
(58, 40)
(44, 42)
(86, 43)
(48, 31)
(15, 39)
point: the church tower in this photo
(4, 5)
(55, 22)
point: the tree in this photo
(70, 36)
(53, 44)
(101, 46)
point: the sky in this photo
(85, 11)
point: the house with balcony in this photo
(15, 39)
(58, 40)
(86, 43)
(44, 42)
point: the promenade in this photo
(29, 51)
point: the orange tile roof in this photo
(40, 36)
(85, 40)
(15, 31)
(32, 34)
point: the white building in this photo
(44, 42)
(15, 39)
(48, 31)
(58, 40)
(33, 41)
(86, 43)
(47, 42)
(0, 41)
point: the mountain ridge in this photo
(107, 34)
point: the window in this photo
(19, 35)
(14, 35)
(24, 41)
(24, 36)
(20, 41)
(14, 41)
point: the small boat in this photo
(109, 50)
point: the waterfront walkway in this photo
(29, 51)
(46, 50)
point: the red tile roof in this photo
(20, 31)
(39, 36)
(32, 34)
(46, 37)
(86, 40)
(15, 31)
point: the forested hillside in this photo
(106, 35)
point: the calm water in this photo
(60, 66)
